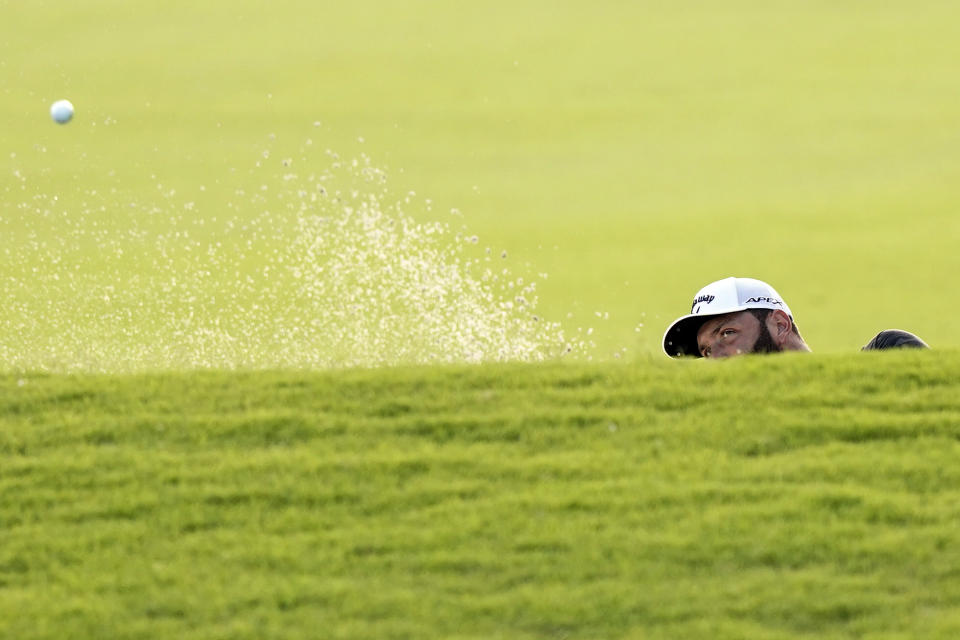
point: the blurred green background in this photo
(633, 150)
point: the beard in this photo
(765, 343)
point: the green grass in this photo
(797, 496)
(633, 151)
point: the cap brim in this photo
(680, 338)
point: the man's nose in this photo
(719, 351)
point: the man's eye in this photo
(726, 333)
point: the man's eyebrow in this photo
(721, 323)
(716, 330)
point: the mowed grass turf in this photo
(797, 496)
(633, 151)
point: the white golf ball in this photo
(61, 111)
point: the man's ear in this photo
(779, 325)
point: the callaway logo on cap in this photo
(718, 298)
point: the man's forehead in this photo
(713, 323)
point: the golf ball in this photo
(61, 111)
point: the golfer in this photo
(741, 315)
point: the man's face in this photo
(734, 334)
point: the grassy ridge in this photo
(796, 496)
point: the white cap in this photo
(718, 298)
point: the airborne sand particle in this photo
(314, 269)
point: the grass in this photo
(633, 151)
(795, 496)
